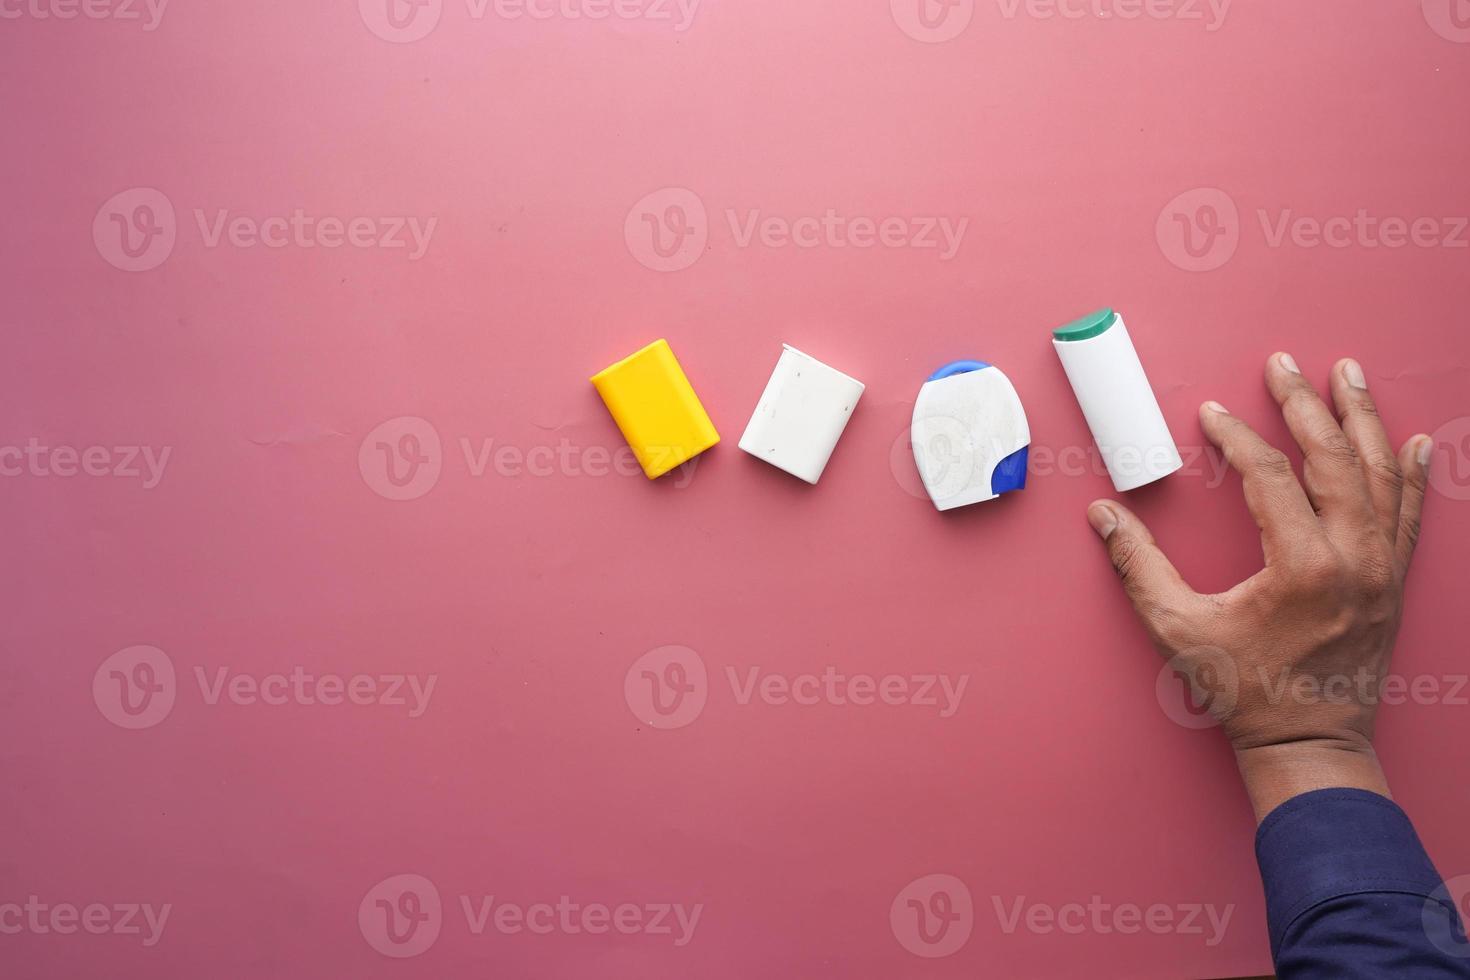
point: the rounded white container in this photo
(1116, 398)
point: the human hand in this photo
(1307, 640)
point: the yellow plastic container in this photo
(654, 405)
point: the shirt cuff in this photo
(1329, 843)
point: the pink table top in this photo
(310, 715)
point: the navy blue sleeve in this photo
(1351, 893)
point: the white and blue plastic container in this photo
(969, 434)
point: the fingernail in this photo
(1353, 371)
(1216, 407)
(1426, 451)
(1289, 362)
(1103, 520)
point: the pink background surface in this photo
(266, 546)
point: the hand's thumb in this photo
(1149, 578)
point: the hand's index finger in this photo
(1273, 495)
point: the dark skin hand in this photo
(1307, 640)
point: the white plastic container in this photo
(970, 436)
(801, 415)
(1113, 390)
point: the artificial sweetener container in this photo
(801, 415)
(970, 437)
(1116, 398)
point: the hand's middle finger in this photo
(1364, 429)
(1331, 474)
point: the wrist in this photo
(1275, 773)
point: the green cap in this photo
(1089, 326)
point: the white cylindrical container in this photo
(1116, 398)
